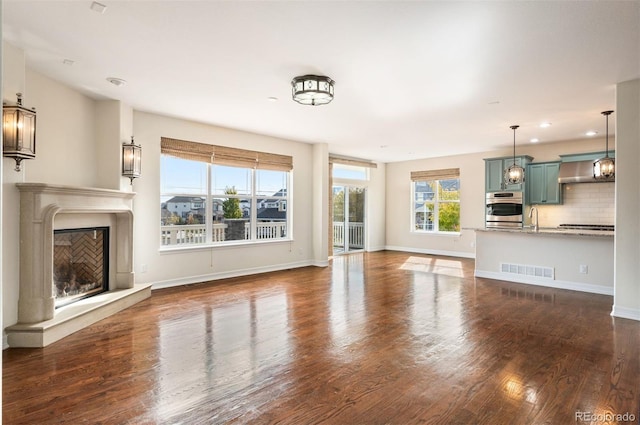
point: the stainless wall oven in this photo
(503, 210)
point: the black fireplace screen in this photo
(80, 263)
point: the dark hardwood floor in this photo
(378, 338)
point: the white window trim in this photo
(209, 243)
(436, 223)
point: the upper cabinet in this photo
(542, 185)
(495, 169)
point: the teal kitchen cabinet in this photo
(494, 173)
(542, 185)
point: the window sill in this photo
(223, 245)
(452, 234)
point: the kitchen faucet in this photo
(535, 222)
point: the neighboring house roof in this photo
(183, 199)
(281, 193)
(272, 214)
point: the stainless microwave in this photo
(503, 210)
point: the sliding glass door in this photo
(348, 218)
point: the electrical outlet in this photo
(143, 268)
(584, 268)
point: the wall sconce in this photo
(18, 132)
(131, 160)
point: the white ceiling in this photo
(413, 79)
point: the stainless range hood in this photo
(578, 172)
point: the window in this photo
(350, 169)
(212, 194)
(350, 172)
(436, 200)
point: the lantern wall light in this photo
(18, 132)
(131, 160)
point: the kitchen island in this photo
(575, 259)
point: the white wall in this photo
(65, 134)
(398, 193)
(627, 244)
(376, 208)
(320, 203)
(65, 154)
(178, 267)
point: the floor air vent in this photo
(528, 270)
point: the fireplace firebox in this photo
(80, 264)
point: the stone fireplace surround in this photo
(45, 208)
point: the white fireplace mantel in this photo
(44, 208)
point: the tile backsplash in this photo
(584, 203)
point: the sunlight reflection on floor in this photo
(433, 265)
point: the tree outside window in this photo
(436, 205)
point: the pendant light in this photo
(515, 173)
(605, 168)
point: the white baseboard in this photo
(432, 251)
(559, 284)
(625, 312)
(235, 273)
(376, 248)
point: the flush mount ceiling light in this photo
(545, 125)
(605, 168)
(312, 89)
(515, 173)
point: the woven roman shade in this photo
(224, 155)
(354, 162)
(444, 174)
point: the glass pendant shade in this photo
(131, 160)
(312, 89)
(18, 132)
(515, 173)
(605, 168)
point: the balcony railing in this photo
(356, 234)
(191, 234)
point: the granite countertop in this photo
(552, 231)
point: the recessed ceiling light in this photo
(116, 81)
(534, 140)
(68, 62)
(98, 7)
(495, 102)
(545, 124)
(591, 133)
(272, 99)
